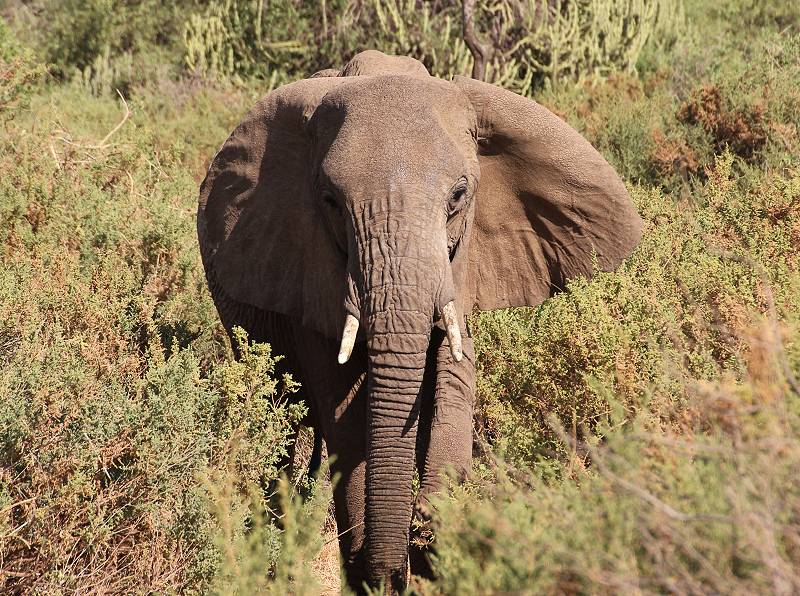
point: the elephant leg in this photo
(347, 442)
(339, 397)
(450, 443)
(448, 433)
(418, 545)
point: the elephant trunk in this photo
(397, 345)
(402, 286)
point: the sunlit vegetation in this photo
(637, 433)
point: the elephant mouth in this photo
(449, 317)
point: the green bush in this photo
(237, 37)
(553, 42)
(107, 44)
(290, 39)
(665, 128)
(712, 508)
(674, 311)
(20, 74)
(122, 409)
(733, 15)
(533, 43)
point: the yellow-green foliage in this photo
(534, 41)
(79, 37)
(555, 41)
(19, 74)
(256, 556)
(665, 127)
(714, 246)
(431, 34)
(639, 433)
(709, 509)
(672, 314)
(230, 38)
(119, 395)
(733, 15)
(292, 39)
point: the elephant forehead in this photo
(395, 126)
(383, 102)
(392, 158)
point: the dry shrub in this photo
(743, 130)
(673, 156)
(119, 393)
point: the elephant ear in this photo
(262, 240)
(548, 206)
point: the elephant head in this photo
(379, 201)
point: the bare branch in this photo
(104, 143)
(481, 53)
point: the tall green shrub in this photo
(238, 37)
(534, 42)
(291, 39)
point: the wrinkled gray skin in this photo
(385, 193)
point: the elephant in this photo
(353, 220)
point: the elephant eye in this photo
(456, 199)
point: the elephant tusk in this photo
(453, 330)
(348, 338)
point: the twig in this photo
(104, 142)
(350, 529)
(54, 154)
(121, 122)
(480, 52)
